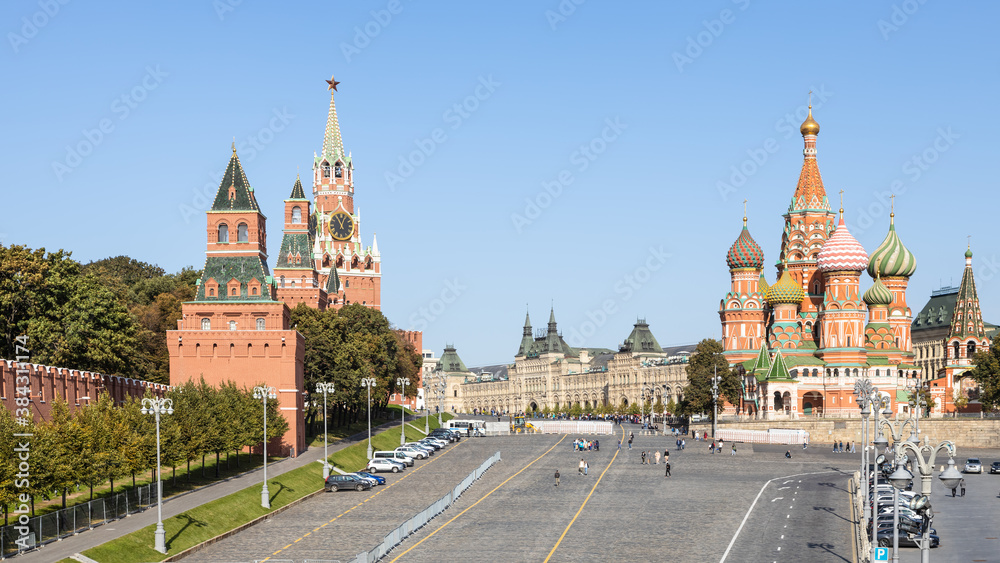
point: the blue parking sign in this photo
(881, 554)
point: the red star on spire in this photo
(333, 84)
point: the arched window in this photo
(338, 171)
(234, 291)
(254, 291)
(206, 324)
(242, 233)
(956, 350)
(296, 214)
(232, 325)
(223, 233)
(260, 324)
(971, 350)
(211, 293)
(347, 283)
(326, 170)
(282, 279)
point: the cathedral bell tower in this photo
(742, 309)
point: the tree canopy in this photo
(702, 365)
(987, 374)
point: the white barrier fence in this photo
(771, 436)
(395, 537)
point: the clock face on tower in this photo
(341, 226)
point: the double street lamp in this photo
(716, 379)
(869, 399)
(263, 393)
(402, 382)
(440, 388)
(156, 407)
(369, 382)
(325, 388)
(950, 478)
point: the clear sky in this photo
(583, 154)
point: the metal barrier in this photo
(74, 519)
(395, 537)
(863, 542)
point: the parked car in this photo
(371, 480)
(344, 482)
(401, 457)
(973, 465)
(885, 539)
(383, 464)
(437, 444)
(995, 467)
(379, 480)
(426, 447)
(415, 453)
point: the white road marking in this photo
(779, 548)
(782, 536)
(782, 488)
(774, 499)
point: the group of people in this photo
(681, 443)
(582, 445)
(653, 457)
(838, 447)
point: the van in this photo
(398, 456)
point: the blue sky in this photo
(593, 161)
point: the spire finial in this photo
(234, 144)
(744, 213)
(333, 84)
(892, 208)
(841, 203)
(810, 101)
(969, 246)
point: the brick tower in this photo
(841, 319)
(338, 251)
(236, 329)
(295, 273)
(742, 309)
(893, 264)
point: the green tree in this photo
(702, 366)
(8, 463)
(987, 374)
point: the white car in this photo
(973, 465)
(380, 464)
(370, 481)
(415, 453)
(429, 449)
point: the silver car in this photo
(973, 465)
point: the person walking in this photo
(683, 444)
(619, 445)
(580, 470)
(586, 466)
(630, 442)
(643, 462)
(657, 461)
(711, 448)
(597, 445)
(962, 485)
(557, 477)
(734, 449)
(666, 456)
(667, 469)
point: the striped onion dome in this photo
(842, 251)
(891, 258)
(878, 294)
(762, 284)
(745, 252)
(785, 290)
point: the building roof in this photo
(297, 191)
(641, 340)
(241, 268)
(235, 193)
(967, 320)
(296, 252)
(842, 251)
(891, 257)
(450, 362)
(745, 252)
(937, 311)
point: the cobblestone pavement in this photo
(636, 512)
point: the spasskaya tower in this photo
(338, 252)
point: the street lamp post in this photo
(264, 393)
(156, 407)
(715, 402)
(925, 465)
(900, 477)
(441, 388)
(427, 407)
(402, 382)
(869, 399)
(325, 388)
(369, 382)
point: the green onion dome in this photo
(785, 290)
(745, 252)
(878, 295)
(891, 258)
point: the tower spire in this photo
(333, 144)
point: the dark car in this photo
(885, 539)
(995, 467)
(344, 482)
(445, 435)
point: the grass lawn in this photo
(209, 520)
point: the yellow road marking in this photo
(403, 478)
(575, 516)
(478, 501)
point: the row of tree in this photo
(104, 442)
(109, 316)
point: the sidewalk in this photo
(175, 505)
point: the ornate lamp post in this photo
(715, 401)
(925, 465)
(369, 382)
(263, 393)
(402, 382)
(441, 388)
(869, 399)
(325, 388)
(900, 477)
(156, 407)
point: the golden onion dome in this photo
(785, 290)
(809, 126)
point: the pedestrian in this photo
(643, 458)
(834, 446)
(711, 448)
(706, 436)
(630, 442)
(962, 484)
(734, 449)
(667, 469)
(586, 466)
(841, 446)
(657, 457)
(580, 470)
(619, 445)
(597, 445)
(666, 456)
(683, 444)
(788, 454)
(557, 477)
(853, 445)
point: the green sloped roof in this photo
(778, 371)
(242, 268)
(804, 361)
(761, 362)
(297, 191)
(902, 396)
(333, 282)
(450, 362)
(292, 244)
(938, 311)
(642, 340)
(878, 360)
(967, 319)
(241, 198)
